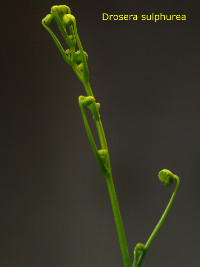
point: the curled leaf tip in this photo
(167, 177)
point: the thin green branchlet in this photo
(77, 59)
(167, 178)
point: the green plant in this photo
(77, 59)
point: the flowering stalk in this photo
(77, 59)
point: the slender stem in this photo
(160, 223)
(135, 258)
(88, 88)
(91, 140)
(112, 192)
(118, 222)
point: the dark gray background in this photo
(55, 209)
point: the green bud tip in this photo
(166, 177)
(68, 19)
(98, 106)
(80, 67)
(61, 10)
(139, 248)
(86, 101)
(48, 19)
(67, 52)
(103, 153)
(78, 56)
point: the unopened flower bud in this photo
(98, 106)
(60, 10)
(65, 9)
(68, 19)
(48, 19)
(86, 101)
(139, 248)
(166, 177)
(103, 153)
(78, 57)
(80, 67)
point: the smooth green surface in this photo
(77, 59)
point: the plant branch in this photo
(78, 61)
(171, 177)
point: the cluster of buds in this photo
(67, 25)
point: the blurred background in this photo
(55, 209)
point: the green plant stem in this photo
(118, 222)
(66, 21)
(135, 258)
(158, 226)
(111, 190)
